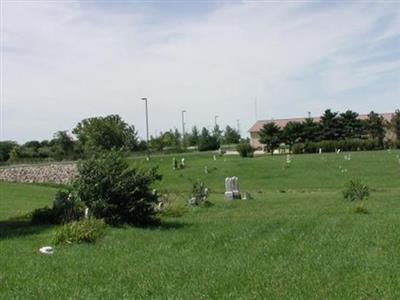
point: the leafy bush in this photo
(67, 207)
(116, 192)
(332, 146)
(84, 231)
(199, 194)
(355, 191)
(245, 149)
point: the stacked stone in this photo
(53, 173)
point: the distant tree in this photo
(231, 136)
(292, 133)
(395, 124)
(157, 143)
(207, 141)
(217, 133)
(311, 131)
(375, 127)
(105, 133)
(194, 137)
(177, 138)
(32, 144)
(330, 127)
(64, 141)
(270, 136)
(5, 149)
(350, 125)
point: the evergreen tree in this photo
(270, 136)
(231, 136)
(395, 124)
(375, 127)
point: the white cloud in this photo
(64, 62)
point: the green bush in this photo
(245, 149)
(84, 231)
(332, 146)
(67, 207)
(355, 191)
(199, 194)
(116, 192)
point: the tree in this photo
(64, 141)
(231, 136)
(311, 131)
(105, 133)
(217, 133)
(207, 141)
(292, 132)
(113, 190)
(270, 135)
(194, 137)
(330, 127)
(350, 125)
(375, 127)
(395, 124)
(5, 149)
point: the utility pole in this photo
(147, 129)
(215, 120)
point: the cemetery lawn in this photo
(297, 239)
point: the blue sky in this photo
(68, 60)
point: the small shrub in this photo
(84, 231)
(355, 191)
(199, 194)
(245, 149)
(67, 207)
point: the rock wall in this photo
(53, 173)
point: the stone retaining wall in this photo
(53, 173)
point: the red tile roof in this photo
(282, 122)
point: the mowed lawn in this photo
(297, 239)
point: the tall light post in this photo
(147, 129)
(183, 127)
(215, 120)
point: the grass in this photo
(297, 239)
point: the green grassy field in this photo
(297, 239)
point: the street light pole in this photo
(183, 127)
(215, 120)
(147, 129)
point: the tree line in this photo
(96, 134)
(339, 129)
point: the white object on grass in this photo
(46, 250)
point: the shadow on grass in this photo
(164, 225)
(19, 228)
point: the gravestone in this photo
(205, 170)
(215, 157)
(174, 164)
(320, 151)
(231, 188)
(183, 162)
